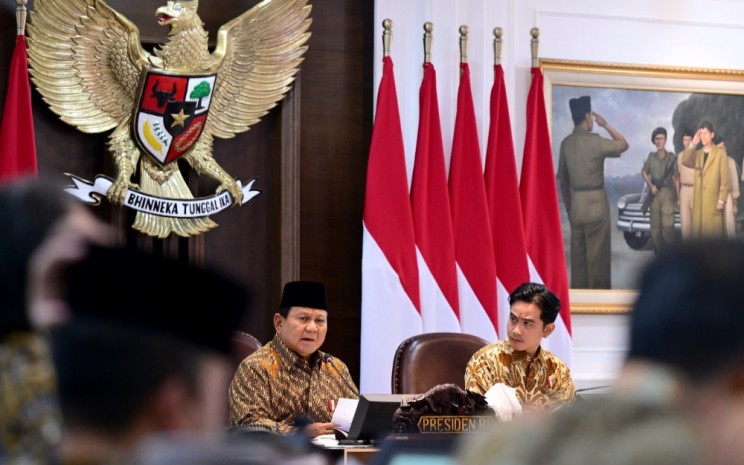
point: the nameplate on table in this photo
(453, 423)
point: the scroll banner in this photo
(91, 193)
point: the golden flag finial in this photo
(428, 28)
(387, 36)
(535, 33)
(463, 44)
(21, 13)
(497, 42)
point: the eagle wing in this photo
(86, 60)
(258, 54)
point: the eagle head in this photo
(177, 13)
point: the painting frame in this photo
(559, 72)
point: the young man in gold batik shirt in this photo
(541, 379)
(289, 382)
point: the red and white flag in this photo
(440, 308)
(542, 223)
(390, 281)
(473, 246)
(17, 143)
(504, 204)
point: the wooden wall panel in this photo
(309, 154)
(336, 123)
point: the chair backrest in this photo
(243, 345)
(426, 360)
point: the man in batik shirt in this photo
(541, 379)
(289, 383)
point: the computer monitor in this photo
(373, 417)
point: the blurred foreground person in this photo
(137, 356)
(680, 396)
(243, 448)
(30, 422)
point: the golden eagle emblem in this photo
(88, 63)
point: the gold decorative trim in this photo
(633, 77)
(623, 69)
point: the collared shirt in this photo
(30, 420)
(275, 387)
(542, 381)
(686, 174)
(661, 170)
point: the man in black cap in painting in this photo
(136, 357)
(581, 174)
(289, 383)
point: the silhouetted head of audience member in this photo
(141, 351)
(689, 314)
(30, 422)
(28, 209)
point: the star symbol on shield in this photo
(179, 119)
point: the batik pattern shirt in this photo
(275, 388)
(542, 381)
(30, 421)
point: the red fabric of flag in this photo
(387, 211)
(431, 213)
(17, 143)
(473, 245)
(390, 282)
(542, 224)
(502, 191)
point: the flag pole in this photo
(534, 43)
(542, 223)
(17, 144)
(387, 36)
(21, 13)
(497, 42)
(430, 206)
(428, 29)
(390, 280)
(463, 44)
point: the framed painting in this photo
(635, 100)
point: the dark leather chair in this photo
(426, 360)
(243, 344)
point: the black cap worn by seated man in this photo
(307, 294)
(580, 107)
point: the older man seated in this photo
(289, 382)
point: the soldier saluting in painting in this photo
(581, 174)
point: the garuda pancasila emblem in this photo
(89, 65)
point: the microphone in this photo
(328, 358)
(580, 398)
(593, 388)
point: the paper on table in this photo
(344, 413)
(325, 440)
(503, 400)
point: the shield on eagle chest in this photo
(171, 113)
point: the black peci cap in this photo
(580, 107)
(304, 294)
